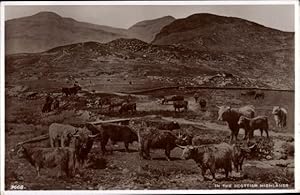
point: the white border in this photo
(297, 106)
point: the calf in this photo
(180, 104)
(259, 122)
(210, 157)
(63, 158)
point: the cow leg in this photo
(226, 174)
(266, 130)
(62, 142)
(38, 171)
(167, 152)
(103, 144)
(213, 173)
(126, 146)
(52, 143)
(261, 132)
(203, 171)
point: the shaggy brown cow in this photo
(232, 115)
(240, 151)
(210, 157)
(180, 104)
(251, 124)
(158, 139)
(64, 158)
(280, 115)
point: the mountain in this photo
(218, 33)
(46, 30)
(146, 30)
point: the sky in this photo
(123, 16)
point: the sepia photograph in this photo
(150, 96)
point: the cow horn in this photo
(250, 147)
(182, 147)
(76, 132)
(92, 136)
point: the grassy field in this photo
(123, 170)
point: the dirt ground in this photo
(124, 170)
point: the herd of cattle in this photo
(71, 145)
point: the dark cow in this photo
(251, 124)
(280, 116)
(202, 103)
(210, 157)
(48, 103)
(259, 95)
(116, 133)
(126, 107)
(180, 104)
(158, 139)
(232, 116)
(64, 158)
(248, 93)
(71, 91)
(173, 98)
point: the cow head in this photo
(183, 139)
(276, 110)
(83, 141)
(242, 121)
(223, 112)
(187, 152)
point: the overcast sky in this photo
(275, 16)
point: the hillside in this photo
(218, 33)
(146, 30)
(149, 65)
